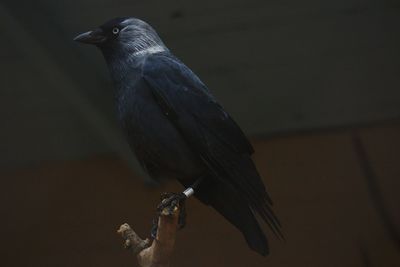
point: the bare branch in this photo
(157, 254)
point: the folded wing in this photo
(209, 130)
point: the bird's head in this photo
(123, 37)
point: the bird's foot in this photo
(169, 202)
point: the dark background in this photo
(315, 84)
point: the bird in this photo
(178, 130)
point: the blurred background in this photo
(314, 84)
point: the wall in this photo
(67, 214)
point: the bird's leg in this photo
(170, 201)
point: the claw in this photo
(154, 228)
(182, 216)
(170, 202)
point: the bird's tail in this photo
(237, 212)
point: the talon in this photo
(169, 202)
(154, 228)
(182, 216)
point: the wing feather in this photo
(209, 130)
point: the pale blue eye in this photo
(115, 30)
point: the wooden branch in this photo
(157, 254)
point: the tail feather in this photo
(237, 212)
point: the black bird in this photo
(178, 130)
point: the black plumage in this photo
(178, 130)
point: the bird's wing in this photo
(208, 129)
(178, 90)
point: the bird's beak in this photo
(95, 37)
